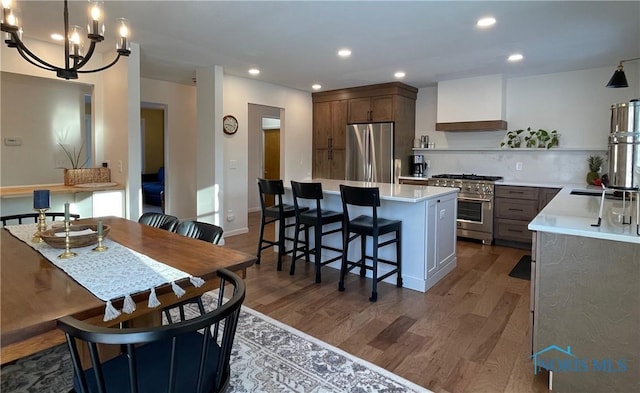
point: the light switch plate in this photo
(12, 141)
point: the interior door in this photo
(271, 157)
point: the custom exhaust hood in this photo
(472, 104)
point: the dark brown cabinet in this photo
(514, 208)
(371, 109)
(333, 110)
(329, 128)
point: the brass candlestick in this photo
(42, 226)
(100, 247)
(67, 252)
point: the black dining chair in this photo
(27, 218)
(159, 220)
(189, 356)
(315, 218)
(272, 214)
(363, 226)
(202, 231)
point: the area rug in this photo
(268, 356)
(522, 269)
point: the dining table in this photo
(35, 293)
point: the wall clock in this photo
(230, 124)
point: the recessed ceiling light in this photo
(515, 57)
(344, 52)
(486, 22)
(399, 74)
(254, 71)
(57, 37)
(316, 87)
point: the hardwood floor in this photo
(469, 333)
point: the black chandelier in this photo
(74, 56)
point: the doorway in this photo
(271, 157)
(152, 154)
(266, 133)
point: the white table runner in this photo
(112, 274)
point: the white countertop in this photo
(423, 178)
(388, 191)
(573, 215)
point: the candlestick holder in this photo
(100, 247)
(42, 226)
(67, 252)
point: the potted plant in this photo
(595, 162)
(513, 139)
(546, 139)
(77, 174)
(531, 139)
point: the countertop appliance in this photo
(475, 203)
(369, 152)
(417, 165)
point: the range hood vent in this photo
(472, 104)
(483, 125)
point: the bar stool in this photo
(316, 219)
(363, 226)
(272, 214)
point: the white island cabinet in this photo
(428, 217)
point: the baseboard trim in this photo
(238, 231)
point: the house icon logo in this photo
(564, 352)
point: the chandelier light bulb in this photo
(95, 12)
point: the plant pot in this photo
(86, 175)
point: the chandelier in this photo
(74, 56)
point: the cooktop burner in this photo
(464, 176)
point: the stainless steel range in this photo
(475, 203)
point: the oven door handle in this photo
(473, 199)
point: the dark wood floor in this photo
(469, 333)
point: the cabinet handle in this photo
(516, 192)
(330, 143)
(330, 155)
(515, 210)
(514, 230)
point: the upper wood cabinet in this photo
(371, 109)
(333, 110)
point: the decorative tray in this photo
(85, 235)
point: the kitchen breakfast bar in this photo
(428, 217)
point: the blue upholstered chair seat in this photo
(153, 361)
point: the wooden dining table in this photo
(35, 293)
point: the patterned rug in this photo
(268, 356)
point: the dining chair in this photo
(316, 218)
(202, 231)
(33, 217)
(189, 356)
(274, 214)
(368, 225)
(159, 220)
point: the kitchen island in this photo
(428, 217)
(585, 300)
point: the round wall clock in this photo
(229, 124)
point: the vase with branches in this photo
(74, 157)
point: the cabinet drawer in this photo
(517, 192)
(516, 209)
(512, 230)
(413, 182)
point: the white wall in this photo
(295, 140)
(41, 112)
(574, 103)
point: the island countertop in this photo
(573, 215)
(389, 191)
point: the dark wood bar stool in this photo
(277, 213)
(363, 226)
(315, 218)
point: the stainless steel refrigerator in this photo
(369, 152)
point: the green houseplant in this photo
(512, 140)
(546, 139)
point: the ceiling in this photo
(295, 43)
